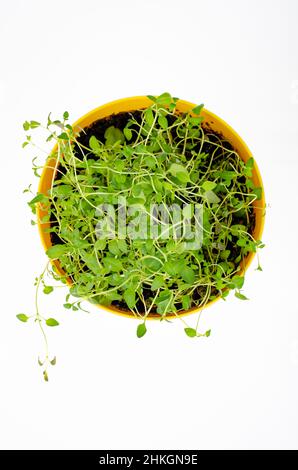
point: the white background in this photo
(237, 389)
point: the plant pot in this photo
(215, 123)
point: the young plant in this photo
(148, 211)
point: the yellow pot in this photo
(140, 102)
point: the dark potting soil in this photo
(119, 121)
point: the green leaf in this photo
(164, 99)
(34, 124)
(170, 267)
(38, 198)
(45, 376)
(142, 190)
(208, 333)
(237, 282)
(196, 121)
(191, 332)
(141, 330)
(114, 136)
(63, 136)
(152, 98)
(211, 197)
(48, 289)
(127, 133)
(53, 361)
(164, 302)
(225, 294)
(179, 172)
(112, 264)
(224, 254)
(152, 264)
(157, 283)
(250, 163)
(163, 122)
(258, 192)
(119, 267)
(94, 144)
(236, 229)
(149, 117)
(242, 242)
(188, 275)
(240, 296)
(113, 247)
(209, 185)
(186, 302)
(40, 363)
(52, 322)
(65, 115)
(197, 110)
(56, 251)
(130, 298)
(92, 262)
(122, 245)
(26, 126)
(22, 317)
(100, 244)
(63, 190)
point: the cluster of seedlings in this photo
(153, 157)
